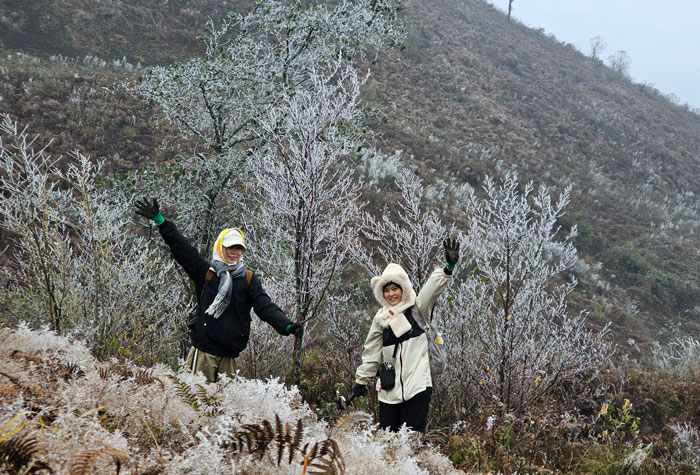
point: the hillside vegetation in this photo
(567, 352)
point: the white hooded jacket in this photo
(411, 363)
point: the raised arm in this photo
(439, 279)
(184, 253)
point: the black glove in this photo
(146, 209)
(295, 329)
(359, 389)
(451, 252)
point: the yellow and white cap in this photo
(227, 238)
(231, 237)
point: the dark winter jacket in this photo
(227, 335)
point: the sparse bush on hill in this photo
(681, 357)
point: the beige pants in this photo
(210, 365)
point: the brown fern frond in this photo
(28, 390)
(322, 457)
(115, 369)
(298, 437)
(37, 467)
(259, 437)
(18, 451)
(325, 458)
(104, 373)
(82, 464)
(282, 436)
(12, 379)
(310, 455)
(144, 377)
(70, 371)
(121, 369)
(248, 439)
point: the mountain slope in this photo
(468, 76)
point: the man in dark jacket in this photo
(226, 292)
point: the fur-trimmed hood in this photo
(389, 316)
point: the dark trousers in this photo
(414, 413)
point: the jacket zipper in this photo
(401, 372)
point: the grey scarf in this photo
(226, 273)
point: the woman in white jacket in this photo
(396, 338)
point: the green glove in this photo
(149, 210)
(451, 252)
(295, 329)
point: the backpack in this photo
(437, 355)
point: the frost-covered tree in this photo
(235, 101)
(410, 231)
(621, 62)
(510, 8)
(510, 335)
(598, 44)
(203, 193)
(306, 225)
(73, 267)
(253, 60)
(250, 64)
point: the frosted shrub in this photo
(407, 221)
(680, 358)
(511, 338)
(686, 444)
(74, 247)
(90, 417)
(251, 59)
(307, 231)
(636, 459)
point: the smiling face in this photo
(233, 254)
(392, 293)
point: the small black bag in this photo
(387, 375)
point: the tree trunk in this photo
(296, 376)
(510, 8)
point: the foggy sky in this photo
(662, 38)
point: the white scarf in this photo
(394, 318)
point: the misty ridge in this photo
(341, 136)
